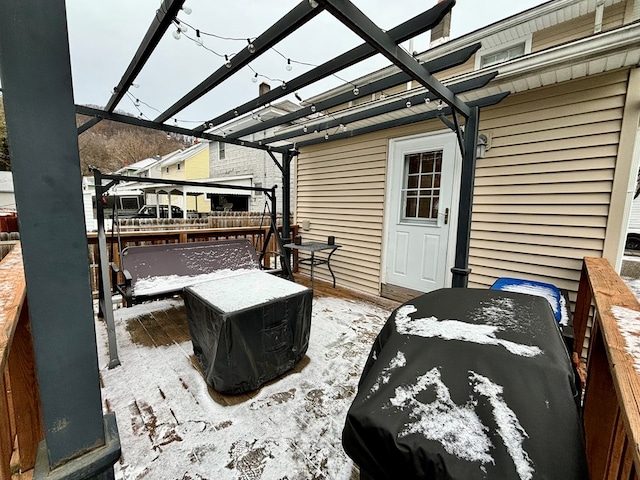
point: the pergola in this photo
(81, 442)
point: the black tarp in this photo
(466, 384)
(240, 350)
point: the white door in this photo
(420, 196)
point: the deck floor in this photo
(172, 426)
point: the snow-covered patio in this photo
(173, 427)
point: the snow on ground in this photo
(172, 428)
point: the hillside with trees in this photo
(108, 145)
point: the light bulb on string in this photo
(255, 78)
(284, 85)
(251, 47)
(227, 62)
(440, 104)
(313, 109)
(408, 104)
(199, 38)
(183, 28)
(343, 127)
(289, 67)
(326, 136)
(176, 34)
(137, 103)
(187, 10)
(305, 129)
(383, 95)
(356, 91)
(427, 100)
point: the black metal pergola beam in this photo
(409, 29)
(139, 122)
(359, 23)
(88, 124)
(437, 65)
(161, 22)
(420, 117)
(293, 20)
(399, 104)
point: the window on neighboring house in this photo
(167, 169)
(178, 166)
(487, 57)
(258, 185)
(221, 150)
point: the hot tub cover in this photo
(247, 329)
(468, 384)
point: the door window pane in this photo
(421, 192)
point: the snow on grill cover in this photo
(247, 329)
(468, 384)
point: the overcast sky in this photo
(104, 35)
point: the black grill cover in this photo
(240, 350)
(468, 384)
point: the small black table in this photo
(314, 247)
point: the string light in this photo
(408, 104)
(284, 85)
(313, 108)
(305, 129)
(326, 136)
(440, 104)
(182, 27)
(136, 103)
(255, 78)
(427, 100)
(186, 10)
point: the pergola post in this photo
(37, 91)
(286, 197)
(461, 269)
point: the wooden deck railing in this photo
(20, 418)
(611, 412)
(256, 235)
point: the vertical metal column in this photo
(461, 266)
(38, 98)
(104, 288)
(286, 197)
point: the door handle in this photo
(446, 216)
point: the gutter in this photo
(476, 36)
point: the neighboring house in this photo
(140, 168)
(7, 198)
(556, 182)
(189, 164)
(230, 162)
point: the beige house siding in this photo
(578, 28)
(340, 191)
(542, 194)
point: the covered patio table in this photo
(466, 384)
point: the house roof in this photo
(183, 155)
(583, 57)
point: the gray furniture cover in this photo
(468, 384)
(248, 329)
